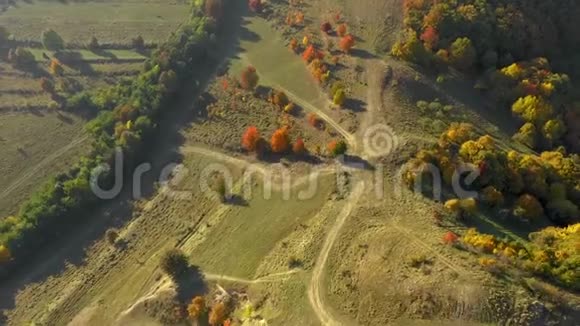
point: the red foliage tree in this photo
(298, 148)
(430, 37)
(280, 140)
(326, 28)
(346, 43)
(255, 5)
(309, 54)
(450, 238)
(341, 30)
(249, 79)
(314, 120)
(250, 139)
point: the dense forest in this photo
(523, 55)
(522, 51)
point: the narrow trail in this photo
(47, 160)
(349, 137)
(270, 278)
(315, 289)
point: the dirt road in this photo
(315, 290)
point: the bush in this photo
(52, 41)
(174, 263)
(112, 236)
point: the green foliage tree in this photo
(94, 44)
(339, 97)
(138, 43)
(52, 41)
(3, 35)
(462, 54)
(174, 263)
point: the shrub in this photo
(218, 185)
(94, 44)
(280, 140)
(250, 139)
(326, 28)
(174, 263)
(196, 308)
(298, 148)
(450, 238)
(346, 43)
(138, 43)
(249, 78)
(217, 314)
(341, 30)
(47, 85)
(52, 41)
(336, 148)
(112, 236)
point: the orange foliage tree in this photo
(249, 79)
(298, 148)
(217, 314)
(341, 30)
(56, 68)
(309, 54)
(280, 140)
(293, 44)
(346, 43)
(336, 148)
(250, 139)
(450, 238)
(196, 308)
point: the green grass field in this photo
(87, 55)
(109, 21)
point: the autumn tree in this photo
(51, 40)
(339, 97)
(341, 30)
(217, 315)
(196, 308)
(250, 139)
(174, 263)
(298, 148)
(346, 43)
(280, 140)
(293, 45)
(450, 238)
(337, 148)
(430, 37)
(5, 254)
(56, 68)
(249, 78)
(280, 99)
(309, 54)
(533, 109)
(528, 207)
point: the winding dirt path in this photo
(315, 289)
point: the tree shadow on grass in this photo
(105, 53)
(190, 284)
(361, 53)
(354, 105)
(76, 61)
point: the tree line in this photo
(127, 118)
